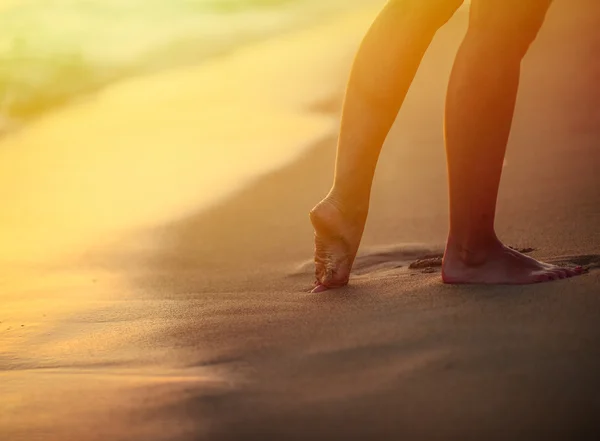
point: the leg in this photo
(479, 111)
(382, 73)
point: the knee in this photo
(428, 13)
(508, 35)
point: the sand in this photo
(201, 327)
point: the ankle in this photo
(348, 205)
(472, 250)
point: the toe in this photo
(548, 276)
(544, 277)
(560, 273)
(572, 271)
(319, 288)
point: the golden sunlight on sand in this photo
(146, 150)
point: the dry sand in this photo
(205, 329)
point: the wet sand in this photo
(202, 328)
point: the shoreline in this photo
(102, 142)
(152, 67)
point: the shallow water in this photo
(51, 51)
(149, 149)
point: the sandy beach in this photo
(142, 297)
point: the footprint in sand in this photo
(381, 259)
(587, 261)
(425, 259)
(429, 263)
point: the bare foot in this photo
(337, 237)
(498, 265)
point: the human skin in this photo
(479, 111)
